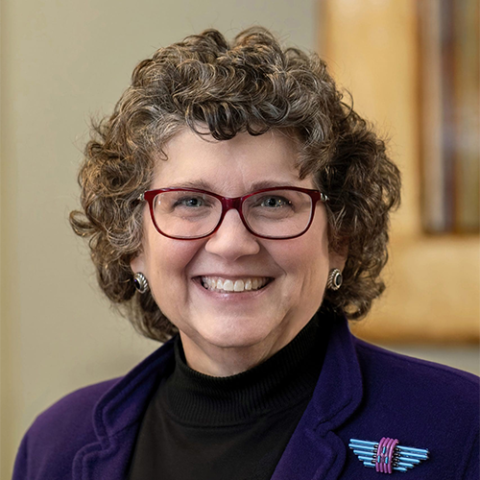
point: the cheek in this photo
(304, 262)
(309, 260)
(314, 269)
(167, 268)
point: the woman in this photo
(233, 197)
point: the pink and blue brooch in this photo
(387, 456)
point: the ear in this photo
(137, 264)
(337, 259)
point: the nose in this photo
(232, 240)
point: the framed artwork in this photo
(449, 115)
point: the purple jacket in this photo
(363, 392)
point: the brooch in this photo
(387, 455)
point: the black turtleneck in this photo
(198, 427)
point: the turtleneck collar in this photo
(279, 383)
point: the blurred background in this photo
(412, 68)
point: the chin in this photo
(238, 333)
(241, 335)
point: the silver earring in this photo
(335, 279)
(140, 282)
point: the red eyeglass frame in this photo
(235, 203)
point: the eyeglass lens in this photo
(273, 214)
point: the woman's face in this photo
(224, 333)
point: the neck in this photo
(277, 383)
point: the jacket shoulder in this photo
(64, 427)
(381, 364)
(74, 411)
(428, 389)
(424, 405)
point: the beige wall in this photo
(6, 219)
(61, 63)
(433, 282)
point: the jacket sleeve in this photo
(20, 469)
(472, 469)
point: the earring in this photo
(335, 279)
(140, 282)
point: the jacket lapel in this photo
(336, 397)
(117, 417)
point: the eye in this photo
(274, 202)
(181, 203)
(192, 202)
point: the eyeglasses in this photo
(273, 213)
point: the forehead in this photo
(232, 167)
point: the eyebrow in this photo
(259, 185)
(200, 184)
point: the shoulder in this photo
(388, 368)
(64, 427)
(423, 404)
(75, 410)
(81, 419)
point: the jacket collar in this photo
(337, 395)
(124, 404)
(117, 417)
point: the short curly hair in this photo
(250, 85)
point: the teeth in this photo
(227, 285)
(239, 286)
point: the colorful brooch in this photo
(387, 455)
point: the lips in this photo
(237, 285)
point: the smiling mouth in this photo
(218, 284)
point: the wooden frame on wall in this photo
(433, 281)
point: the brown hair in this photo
(250, 85)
